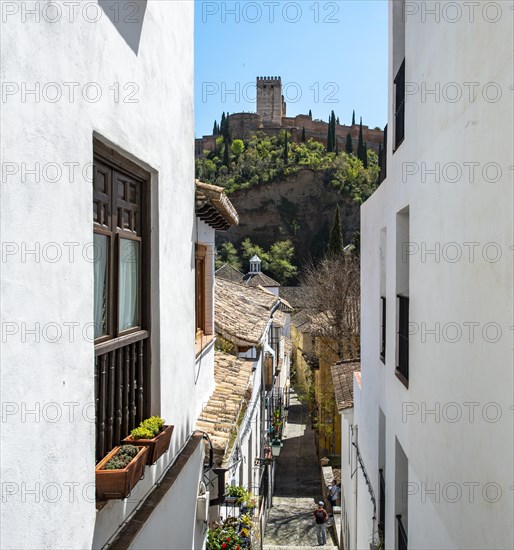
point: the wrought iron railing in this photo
(121, 375)
(402, 534)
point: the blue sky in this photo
(330, 55)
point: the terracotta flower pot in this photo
(117, 484)
(156, 446)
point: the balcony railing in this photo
(402, 366)
(399, 115)
(402, 535)
(121, 379)
(381, 504)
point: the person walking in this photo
(333, 490)
(320, 515)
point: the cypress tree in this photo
(310, 113)
(333, 121)
(365, 161)
(337, 121)
(353, 118)
(330, 143)
(335, 241)
(214, 129)
(360, 145)
(286, 149)
(303, 134)
(380, 156)
(222, 125)
(226, 157)
(349, 144)
(337, 146)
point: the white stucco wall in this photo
(150, 64)
(447, 455)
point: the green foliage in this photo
(360, 145)
(353, 118)
(142, 433)
(223, 537)
(237, 491)
(149, 428)
(349, 144)
(277, 261)
(303, 134)
(310, 113)
(122, 458)
(263, 161)
(227, 254)
(335, 241)
(280, 261)
(237, 147)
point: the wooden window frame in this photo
(200, 295)
(122, 357)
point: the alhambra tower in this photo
(270, 101)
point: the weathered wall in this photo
(300, 208)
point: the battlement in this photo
(272, 80)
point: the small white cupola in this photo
(255, 264)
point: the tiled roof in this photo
(342, 377)
(241, 312)
(295, 295)
(214, 207)
(233, 391)
(259, 279)
(229, 273)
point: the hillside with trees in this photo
(286, 194)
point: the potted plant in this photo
(153, 434)
(118, 473)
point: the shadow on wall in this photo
(127, 16)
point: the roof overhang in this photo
(214, 207)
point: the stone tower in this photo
(270, 101)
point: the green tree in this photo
(222, 125)
(237, 147)
(310, 113)
(227, 254)
(365, 161)
(215, 128)
(248, 249)
(360, 145)
(353, 118)
(280, 261)
(335, 241)
(333, 122)
(349, 144)
(330, 143)
(226, 156)
(286, 149)
(303, 134)
(337, 121)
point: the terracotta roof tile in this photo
(233, 390)
(342, 377)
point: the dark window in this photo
(399, 114)
(382, 329)
(402, 366)
(121, 296)
(381, 500)
(402, 534)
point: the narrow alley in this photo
(297, 487)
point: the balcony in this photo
(120, 385)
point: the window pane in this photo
(101, 271)
(129, 284)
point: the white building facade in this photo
(433, 415)
(98, 282)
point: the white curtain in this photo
(101, 280)
(128, 284)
